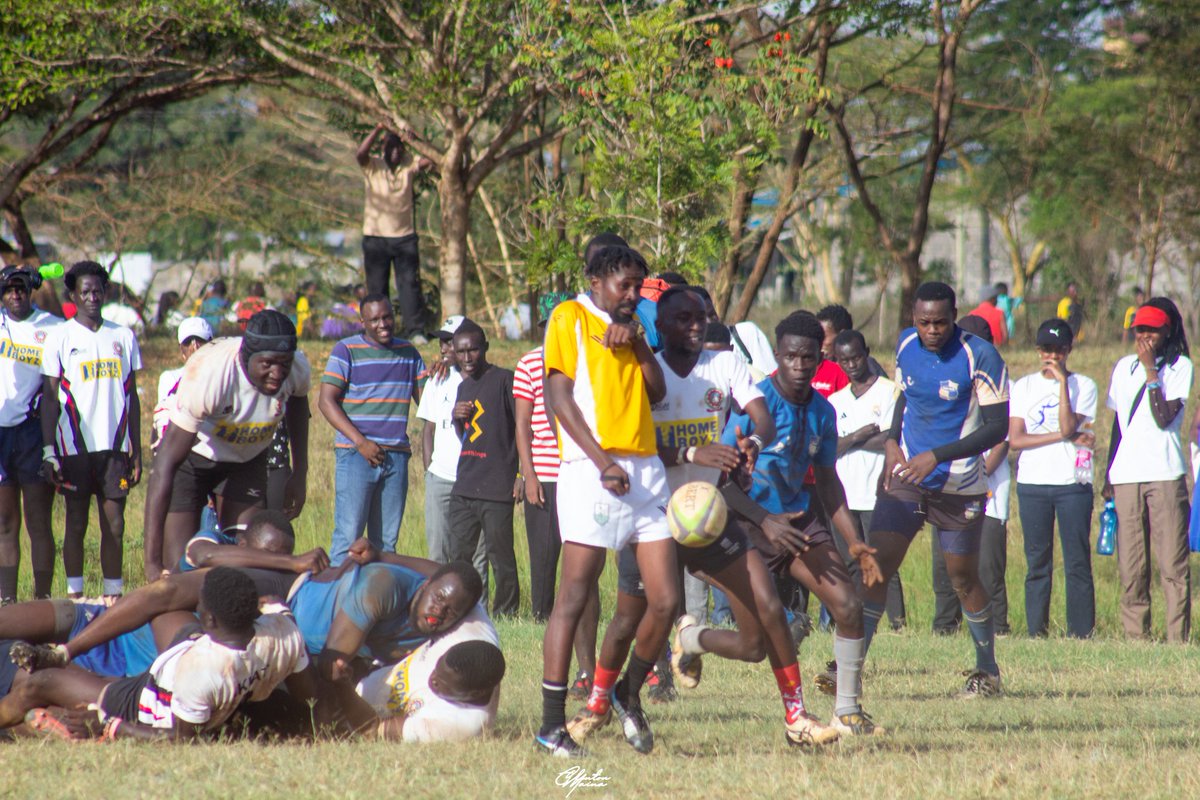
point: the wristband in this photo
(1152, 385)
(690, 456)
(48, 453)
(758, 441)
(110, 729)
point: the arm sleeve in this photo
(522, 381)
(826, 455)
(741, 382)
(990, 378)
(197, 691)
(337, 368)
(992, 432)
(301, 375)
(1177, 383)
(561, 351)
(135, 353)
(51, 362)
(740, 503)
(887, 409)
(1085, 404)
(425, 409)
(897, 416)
(729, 435)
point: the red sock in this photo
(602, 683)
(788, 679)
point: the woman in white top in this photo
(1050, 417)
(1146, 469)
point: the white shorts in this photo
(590, 514)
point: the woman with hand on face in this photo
(1050, 418)
(1146, 471)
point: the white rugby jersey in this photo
(232, 420)
(96, 371)
(21, 345)
(403, 688)
(202, 682)
(695, 408)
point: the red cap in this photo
(1151, 317)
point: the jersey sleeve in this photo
(425, 408)
(887, 407)
(301, 375)
(561, 351)
(523, 380)
(1177, 382)
(135, 353)
(1085, 404)
(377, 593)
(729, 435)
(210, 537)
(51, 353)
(826, 455)
(990, 376)
(1018, 399)
(197, 691)
(741, 384)
(337, 368)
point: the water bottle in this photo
(1106, 542)
(1083, 464)
(51, 271)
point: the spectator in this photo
(834, 319)
(1146, 471)
(119, 312)
(1139, 299)
(486, 484)
(988, 309)
(1070, 308)
(167, 314)
(192, 334)
(370, 381)
(214, 305)
(24, 330)
(537, 446)
(305, 305)
(1008, 305)
(91, 425)
(1050, 420)
(647, 307)
(250, 305)
(389, 235)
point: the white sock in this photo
(113, 586)
(689, 640)
(74, 585)
(849, 654)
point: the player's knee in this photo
(962, 583)
(571, 599)
(663, 607)
(9, 525)
(847, 611)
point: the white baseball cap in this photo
(195, 326)
(449, 327)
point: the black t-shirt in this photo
(487, 465)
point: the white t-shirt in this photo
(1035, 400)
(232, 420)
(96, 369)
(695, 408)
(437, 408)
(202, 681)
(168, 382)
(750, 341)
(859, 469)
(1147, 453)
(403, 688)
(999, 484)
(21, 344)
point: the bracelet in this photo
(48, 452)
(758, 441)
(681, 455)
(1152, 385)
(691, 454)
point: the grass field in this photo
(1102, 718)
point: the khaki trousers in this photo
(1154, 516)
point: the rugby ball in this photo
(696, 514)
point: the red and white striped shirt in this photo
(527, 385)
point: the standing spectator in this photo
(989, 310)
(1008, 306)
(305, 305)
(440, 444)
(537, 446)
(214, 305)
(1146, 472)
(1139, 299)
(834, 319)
(369, 383)
(1070, 308)
(486, 484)
(91, 424)
(166, 314)
(193, 333)
(24, 331)
(864, 420)
(389, 236)
(232, 396)
(1050, 419)
(250, 305)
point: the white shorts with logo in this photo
(590, 514)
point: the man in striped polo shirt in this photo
(369, 382)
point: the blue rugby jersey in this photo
(943, 393)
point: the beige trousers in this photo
(1154, 516)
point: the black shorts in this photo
(21, 454)
(957, 518)
(122, 697)
(237, 482)
(105, 474)
(8, 670)
(711, 559)
(778, 561)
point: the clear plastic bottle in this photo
(1083, 464)
(1107, 540)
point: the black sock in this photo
(554, 706)
(8, 583)
(630, 687)
(42, 580)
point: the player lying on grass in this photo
(349, 613)
(775, 506)
(232, 654)
(700, 388)
(267, 542)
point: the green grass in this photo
(1102, 718)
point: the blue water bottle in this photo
(1107, 540)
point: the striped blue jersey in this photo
(943, 394)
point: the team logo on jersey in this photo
(814, 446)
(714, 399)
(103, 368)
(600, 513)
(948, 390)
(118, 349)
(971, 510)
(39, 336)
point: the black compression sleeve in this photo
(991, 433)
(740, 503)
(897, 419)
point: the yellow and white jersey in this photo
(21, 346)
(96, 371)
(609, 387)
(232, 420)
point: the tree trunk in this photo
(455, 208)
(739, 210)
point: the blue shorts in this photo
(956, 519)
(128, 654)
(21, 454)
(8, 670)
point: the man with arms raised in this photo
(232, 395)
